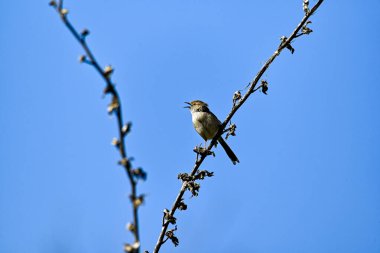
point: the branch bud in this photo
(236, 97)
(126, 128)
(305, 29)
(114, 105)
(172, 237)
(202, 174)
(82, 58)
(131, 248)
(108, 70)
(181, 205)
(131, 227)
(231, 131)
(64, 12)
(203, 151)
(264, 86)
(287, 45)
(53, 3)
(305, 5)
(193, 187)
(84, 33)
(168, 217)
(125, 162)
(138, 201)
(116, 142)
(139, 173)
(185, 177)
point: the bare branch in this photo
(113, 108)
(236, 105)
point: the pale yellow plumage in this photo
(207, 125)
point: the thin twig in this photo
(234, 109)
(109, 89)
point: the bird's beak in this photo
(188, 105)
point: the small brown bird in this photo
(207, 125)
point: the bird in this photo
(207, 125)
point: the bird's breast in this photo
(202, 122)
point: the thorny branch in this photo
(238, 102)
(113, 108)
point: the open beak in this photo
(188, 105)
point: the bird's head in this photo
(196, 105)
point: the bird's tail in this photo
(228, 150)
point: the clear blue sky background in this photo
(309, 178)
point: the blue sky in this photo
(309, 175)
